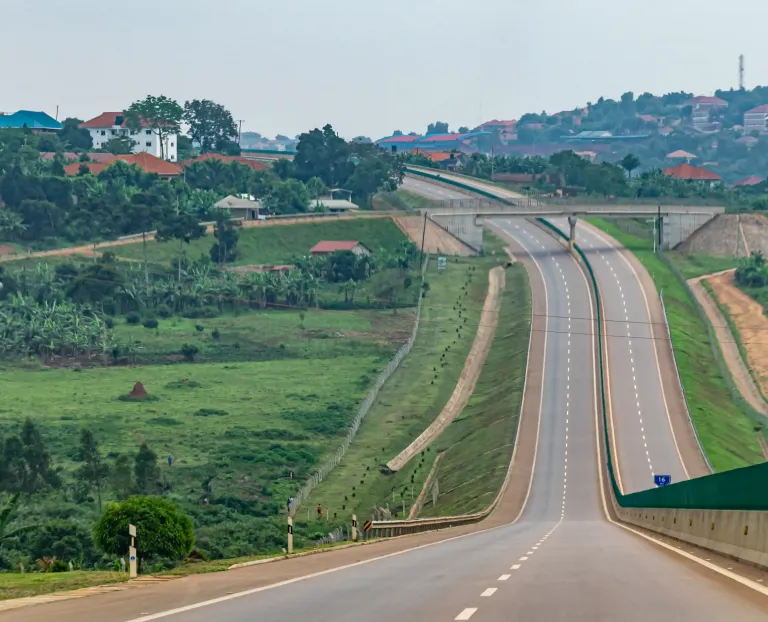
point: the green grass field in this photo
(477, 447)
(725, 431)
(278, 244)
(13, 585)
(269, 335)
(693, 265)
(413, 397)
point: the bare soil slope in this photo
(730, 235)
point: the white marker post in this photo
(290, 535)
(354, 528)
(133, 573)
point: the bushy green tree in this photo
(163, 530)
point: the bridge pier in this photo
(572, 220)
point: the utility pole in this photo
(240, 130)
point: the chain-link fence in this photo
(334, 461)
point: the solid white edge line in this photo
(214, 601)
(620, 251)
(762, 589)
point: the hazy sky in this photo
(370, 66)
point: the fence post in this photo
(354, 528)
(290, 535)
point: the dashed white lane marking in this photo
(504, 577)
(515, 567)
(466, 614)
(529, 553)
(522, 559)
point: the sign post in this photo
(662, 480)
(132, 566)
(290, 535)
(354, 528)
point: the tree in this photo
(210, 124)
(225, 231)
(145, 470)
(25, 470)
(629, 163)
(287, 197)
(162, 528)
(73, 136)
(161, 115)
(324, 154)
(121, 478)
(183, 227)
(147, 209)
(438, 127)
(316, 188)
(120, 145)
(463, 130)
(94, 471)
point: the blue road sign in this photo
(662, 480)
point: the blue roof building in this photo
(35, 121)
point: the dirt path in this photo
(416, 507)
(752, 324)
(469, 375)
(728, 345)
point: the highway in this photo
(562, 560)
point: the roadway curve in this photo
(563, 560)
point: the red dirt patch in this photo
(138, 392)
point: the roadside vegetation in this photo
(414, 396)
(693, 265)
(476, 448)
(726, 432)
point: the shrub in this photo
(164, 311)
(132, 318)
(199, 328)
(59, 566)
(150, 323)
(163, 530)
(189, 351)
(215, 333)
(109, 322)
(208, 412)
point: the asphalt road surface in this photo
(562, 560)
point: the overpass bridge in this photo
(462, 204)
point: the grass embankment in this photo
(725, 431)
(413, 397)
(401, 200)
(277, 244)
(477, 447)
(33, 583)
(693, 265)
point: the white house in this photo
(110, 125)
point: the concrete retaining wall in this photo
(738, 534)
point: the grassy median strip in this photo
(725, 431)
(478, 444)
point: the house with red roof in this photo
(702, 108)
(756, 120)
(109, 125)
(497, 126)
(328, 247)
(687, 172)
(254, 164)
(145, 161)
(752, 180)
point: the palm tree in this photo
(629, 163)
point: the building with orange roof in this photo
(686, 172)
(254, 164)
(145, 161)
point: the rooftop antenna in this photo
(741, 72)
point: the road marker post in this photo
(354, 528)
(133, 570)
(290, 535)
